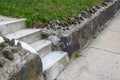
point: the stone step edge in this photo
(27, 35)
(12, 21)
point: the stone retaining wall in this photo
(78, 32)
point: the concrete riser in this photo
(56, 69)
(44, 51)
(31, 38)
(12, 26)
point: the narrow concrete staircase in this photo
(54, 62)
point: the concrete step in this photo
(54, 63)
(43, 47)
(7, 27)
(26, 35)
(5, 18)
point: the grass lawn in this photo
(39, 12)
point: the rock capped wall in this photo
(77, 32)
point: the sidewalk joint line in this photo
(112, 30)
(105, 50)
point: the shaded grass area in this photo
(38, 12)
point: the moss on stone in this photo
(77, 54)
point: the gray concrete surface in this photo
(10, 26)
(101, 59)
(4, 18)
(43, 47)
(26, 35)
(54, 63)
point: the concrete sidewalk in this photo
(101, 59)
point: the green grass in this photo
(39, 12)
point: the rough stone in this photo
(56, 27)
(79, 20)
(86, 14)
(55, 41)
(53, 23)
(1, 63)
(71, 21)
(2, 45)
(19, 45)
(25, 66)
(12, 42)
(108, 0)
(7, 52)
(104, 4)
(98, 6)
